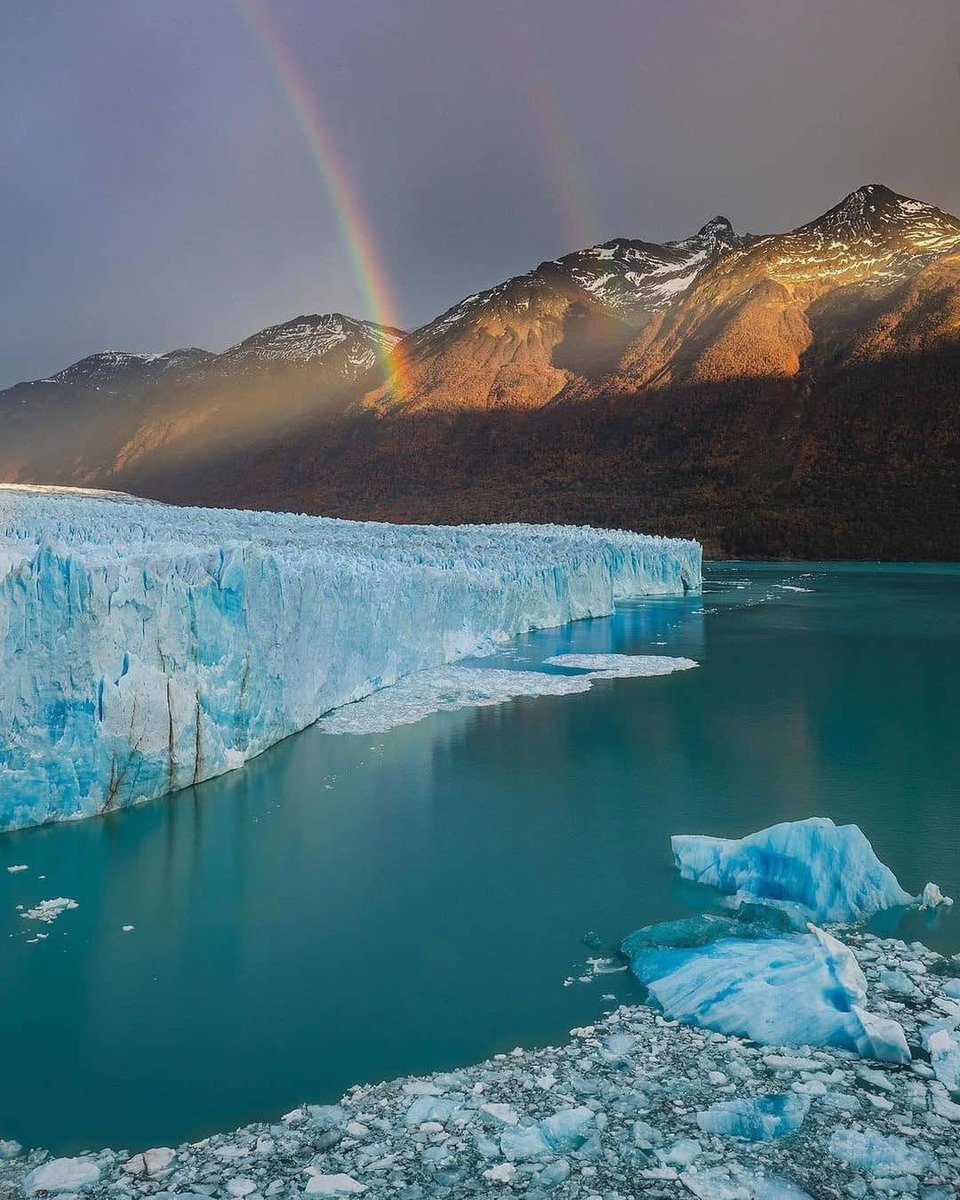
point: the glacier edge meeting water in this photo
(147, 648)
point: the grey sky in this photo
(157, 191)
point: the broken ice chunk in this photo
(736, 1183)
(61, 1175)
(519, 1143)
(49, 910)
(944, 1052)
(879, 1154)
(932, 897)
(788, 989)
(569, 1128)
(758, 1119)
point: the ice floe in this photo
(47, 911)
(450, 688)
(784, 989)
(622, 666)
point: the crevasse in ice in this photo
(830, 871)
(146, 647)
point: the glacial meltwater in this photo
(350, 907)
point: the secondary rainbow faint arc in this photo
(354, 225)
(572, 191)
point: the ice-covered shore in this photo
(146, 648)
(635, 1105)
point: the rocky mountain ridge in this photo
(782, 394)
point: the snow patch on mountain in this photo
(310, 338)
(629, 277)
(873, 233)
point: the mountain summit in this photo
(786, 394)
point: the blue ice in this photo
(785, 989)
(756, 1119)
(830, 871)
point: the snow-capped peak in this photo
(116, 366)
(875, 208)
(873, 233)
(635, 277)
(308, 338)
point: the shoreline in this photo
(614, 1112)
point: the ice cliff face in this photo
(146, 648)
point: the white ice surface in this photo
(622, 666)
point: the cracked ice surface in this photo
(147, 647)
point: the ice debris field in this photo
(639, 1103)
(147, 648)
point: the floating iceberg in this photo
(146, 648)
(830, 871)
(932, 897)
(758, 1119)
(785, 989)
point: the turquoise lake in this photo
(351, 908)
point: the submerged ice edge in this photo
(147, 648)
(455, 687)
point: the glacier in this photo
(830, 872)
(148, 647)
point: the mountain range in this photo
(793, 394)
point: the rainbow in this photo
(571, 191)
(358, 234)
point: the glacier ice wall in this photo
(146, 647)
